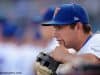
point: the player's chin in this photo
(67, 45)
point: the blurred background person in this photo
(35, 40)
(43, 37)
(8, 48)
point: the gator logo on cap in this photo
(56, 11)
(76, 18)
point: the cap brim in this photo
(54, 23)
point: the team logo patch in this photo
(56, 11)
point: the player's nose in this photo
(57, 35)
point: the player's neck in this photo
(83, 40)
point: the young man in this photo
(74, 31)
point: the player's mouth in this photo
(61, 42)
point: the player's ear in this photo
(78, 26)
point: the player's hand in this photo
(59, 53)
(42, 70)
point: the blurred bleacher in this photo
(17, 9)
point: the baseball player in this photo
(74, 31)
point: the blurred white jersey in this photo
(8, 59)
(28, 55)
(92, 46)
(26, 60)
(19, 60)
(16, 60)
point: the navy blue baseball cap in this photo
(68, 14)
(48, 15)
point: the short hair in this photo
(86, 27)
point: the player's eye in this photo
(58, 27)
